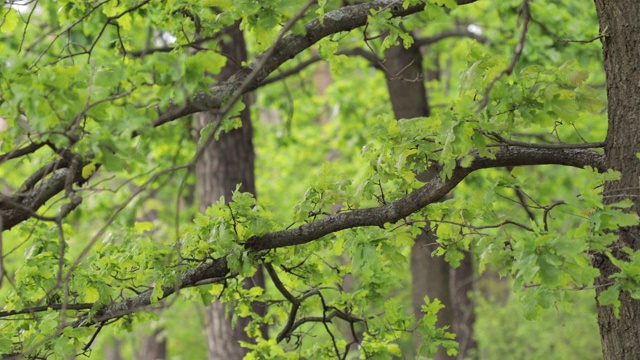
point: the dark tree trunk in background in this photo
(154, 346)
(405, 81)
(620, 25)
(462, 285)
(112, 350)
(224, 164)
(431, 276)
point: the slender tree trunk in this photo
(225, 164)
(429, 274)
(620, 26)
(462, 286)
(154, 346)
(112, 351)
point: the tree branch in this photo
(447, 34)
(429, 193)
(32, 200)
(365, 54)
(345, 18)
(31, 148)
(42, 308)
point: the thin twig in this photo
(517, 52)
(506, 142)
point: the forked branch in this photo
(392, 212)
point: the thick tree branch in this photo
(32, 200)
(38, 189)
(189, 279)
(431, 192)
(373, 60)
(346, 18)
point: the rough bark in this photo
(405, 81)
(462, 285)
(226, 163)
(620, 24)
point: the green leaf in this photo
(6, 345)
(49, 322)
(9, 20)
(141, 227)
(550, 273)
(611, 296)
(450, 4)
(578, 77)
(91, 295)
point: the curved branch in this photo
(345, 18)
(371, 57)
(30, 201)
(450, 33)
(429, 193)
(31, 148)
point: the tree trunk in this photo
(431, 275)
(405, 81)
(223, 165)
(154, 346)
(112, 350)
(620, 25)
(462, 286)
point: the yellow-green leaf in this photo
(9, 21)
(141, 227)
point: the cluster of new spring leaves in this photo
(90, 77)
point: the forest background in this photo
(424, 172)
